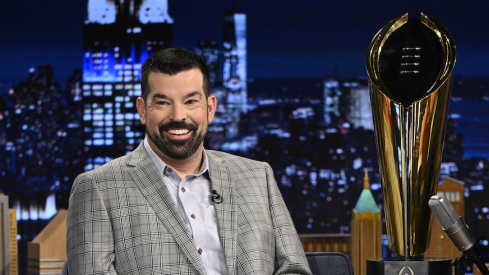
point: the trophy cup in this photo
(410, 66)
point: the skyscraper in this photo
(234, 74)
(440, 244)
(360, 111)
(331, 98)
(366, 230)
(209, 50)
(118, 37)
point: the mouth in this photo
(178, 133)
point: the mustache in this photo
(177, 125)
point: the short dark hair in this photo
(172, 61)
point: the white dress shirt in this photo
(192, 195)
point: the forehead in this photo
(180, 83)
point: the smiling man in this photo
(172, 207)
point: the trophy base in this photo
(435, 267)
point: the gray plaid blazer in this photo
(123, 220)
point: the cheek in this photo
(153, 119)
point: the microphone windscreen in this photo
(443, 210)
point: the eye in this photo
(191, 101)
(161, 103)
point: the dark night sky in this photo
(285, 38)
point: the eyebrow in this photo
(195, 93)
(191, 94)
(160, 96)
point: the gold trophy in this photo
(410, 67)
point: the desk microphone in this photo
(456, 229)
(215, 197)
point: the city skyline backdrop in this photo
(310, 39)
(294, 112)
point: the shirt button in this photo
(169, 170)
(193, 216)
(200, 251)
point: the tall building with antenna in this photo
(118, 37)
(366, 230)
(234, 75)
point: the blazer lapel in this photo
(147, 178)
(225, 211)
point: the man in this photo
(171, 207)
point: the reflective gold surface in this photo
(409, 143)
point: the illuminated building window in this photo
(98, 123)
(98, 142)
(98, 117)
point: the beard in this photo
(177, 149)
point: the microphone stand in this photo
(467, 257)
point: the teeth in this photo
(178, 131)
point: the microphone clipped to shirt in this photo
(215, 197)
(456, 229)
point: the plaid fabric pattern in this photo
(122, 220)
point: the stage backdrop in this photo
(290, 81)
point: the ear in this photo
(141, 110)
(211, 107)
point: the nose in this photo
(178, 113)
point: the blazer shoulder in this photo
(108, 171)
(236, 162)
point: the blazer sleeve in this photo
(289, 254)
(89, 240)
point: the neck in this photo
(183, 167)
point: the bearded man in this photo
(172, 207)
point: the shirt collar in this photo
(161, 165)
